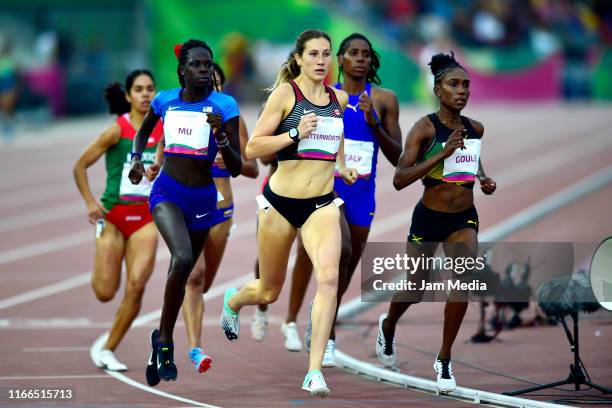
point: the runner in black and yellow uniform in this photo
(442, 149)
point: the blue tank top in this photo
(186, 130)
(360, 142)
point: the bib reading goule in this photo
(324, 141)
(462, 165)
(186, 132)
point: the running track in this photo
(49, 317)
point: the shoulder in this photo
(424, 126)
(384, 94)
(341, 95)
(168, 94)
(223, 99)
(280, 96)
(478, 126)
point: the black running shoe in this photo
(152, 376)
(166, 369)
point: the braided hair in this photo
(114, 95)
(372, 75)
(183, 50)
(442, 63)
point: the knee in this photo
(135, 288)
(104, 294)
(269, 296)
(327, 279)
(181, 264)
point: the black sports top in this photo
(435, 176)
(324, 141)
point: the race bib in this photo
(186, 133)
(323, 143)
(462, 165)
(133, 192)
(358, 155)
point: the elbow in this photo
(249, 153)
(235, 172)
(396, 184)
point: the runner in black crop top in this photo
(302, 107)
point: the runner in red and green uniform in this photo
(124, 226)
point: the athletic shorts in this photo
(222, 214)
(359, 201)
(129, 218)
(434, 226)
(198, 204)
(296, 210)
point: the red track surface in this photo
(532, 152)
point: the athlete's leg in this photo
(201, 279)
(185, 247)
(457, 304)
(347, 263)
(302, 271)
(141, 248)
(322, 239)
(275, 237)
(106, 276)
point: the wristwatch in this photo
(294, 135)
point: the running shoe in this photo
(230, 320)
(259, 325)
(108, 361)
(385, 350)
(152, 376)
(314, 383)
(292, 338)
(329, 360)
(308, 332)
(445, 379)
(166, 369)
(201, 361)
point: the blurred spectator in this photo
(239, 67)
(8, 87)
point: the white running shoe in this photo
(314, 383)
(292, 338)
(229, 320)
(329, 359)
(259, 325)
(108, 361)
(387, 360)
(308, 332)
(446, 379)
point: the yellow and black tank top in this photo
(435, 176)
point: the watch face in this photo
(293, 132)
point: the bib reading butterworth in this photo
(462, 165)
(186, 132)
(324, 141)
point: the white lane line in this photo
(45, 247)
(60, 212)
(243, 229)
(54, 377)
(146, 318)
(60, 349)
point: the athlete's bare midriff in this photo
(303, 178)
(448, 198)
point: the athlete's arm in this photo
(422, 132)
(153, 170)
(140, 141)
(230, 132)
(389, 133)
(263, 142)
(92, 153)
(487, 185)
(249, 166)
